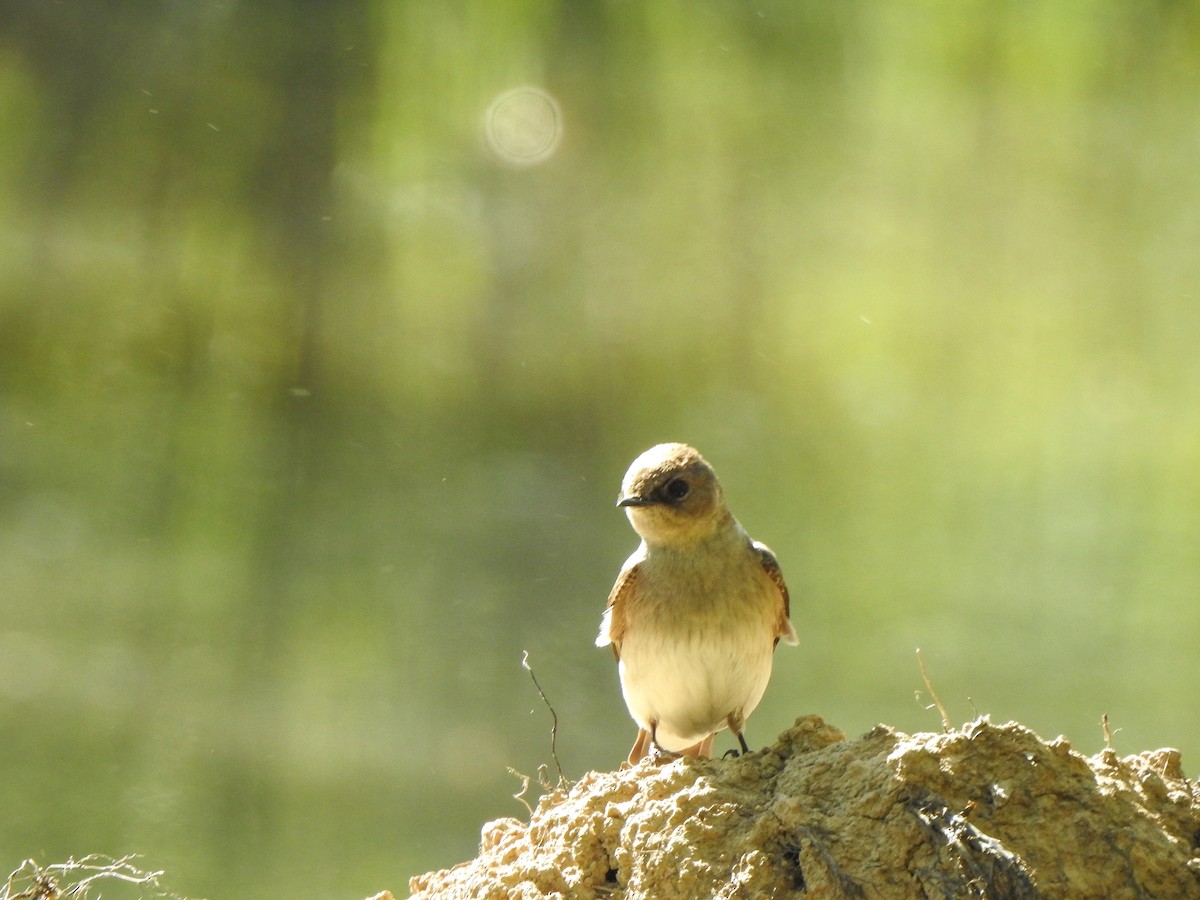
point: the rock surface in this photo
(988, 811)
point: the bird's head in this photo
(672, 496)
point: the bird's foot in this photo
(661, 755)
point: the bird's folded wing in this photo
(783, 627)
(612, 625)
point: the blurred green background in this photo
(321, 358)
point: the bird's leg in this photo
(735, 722)
(661, 753)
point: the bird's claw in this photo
(661, 755)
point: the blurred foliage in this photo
(313, 409)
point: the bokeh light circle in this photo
(523, 126)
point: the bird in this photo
(696, 612)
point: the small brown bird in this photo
(696, 612)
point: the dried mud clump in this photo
(989, 811)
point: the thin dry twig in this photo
(1108, 731)
(562, 779)
(31, 881)
(937, 702)
(519, 795)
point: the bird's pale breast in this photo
(699, 642)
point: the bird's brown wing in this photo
(783, 627)
(612, 626)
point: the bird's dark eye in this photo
(677, 489)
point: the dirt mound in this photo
(988, 811)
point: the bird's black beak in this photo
(634, 501)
